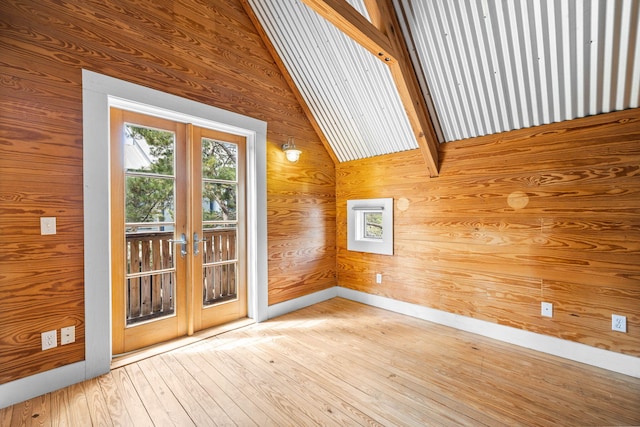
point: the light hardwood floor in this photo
(342, 363)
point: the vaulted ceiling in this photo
(383, 76)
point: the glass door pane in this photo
(150, 186)
(219, 221)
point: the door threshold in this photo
(120, 360)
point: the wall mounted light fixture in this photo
(290, 150)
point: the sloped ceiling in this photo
(350, 92)
(495, 66)
(482, 67)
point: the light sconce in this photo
(290, 150)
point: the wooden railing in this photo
(219, 278)
(149, 295)
(151, 274)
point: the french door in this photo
(177, 229)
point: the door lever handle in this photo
(196, 249)
(183, 242)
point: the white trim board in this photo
(29, 387)
(285, 307)
(610, 360)
(605, 359)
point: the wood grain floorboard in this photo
(226, 410)
(98, 406)
(342, 363)
(114, 401)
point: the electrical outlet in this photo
(619, 323)
(67, 335)
(547, 309)
(49, 339)
(378, 278)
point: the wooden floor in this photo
(342, 363)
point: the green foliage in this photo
(219, 161)
(373, 225)
(151, 198)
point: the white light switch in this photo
(547, 309)
(47, 225)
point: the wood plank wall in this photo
(551, 213)
(207, 51)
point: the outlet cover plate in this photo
(49, 339)
(47, 225)
(378, 278)
(619, 323)
(547, 309)
(67, 335)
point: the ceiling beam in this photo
(384, 39)
(351, 22)
(404, 75)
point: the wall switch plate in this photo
(619, 323)
(547, 309)
(378, 278)
(47, 225)
(49, 339)
(67, 335)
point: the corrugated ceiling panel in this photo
(350, 92)
(493, 66)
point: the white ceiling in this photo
(485, 66)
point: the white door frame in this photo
(99, 94)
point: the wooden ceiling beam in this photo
(384, 39)
(404, 75)
(351, 22)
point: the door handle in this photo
(196, 250)
(183, 242)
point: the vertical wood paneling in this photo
(205, 51)
(544, 214)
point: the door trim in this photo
(99, 94)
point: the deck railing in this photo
(151, 274)
(219, 273)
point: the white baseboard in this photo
(301, 302)
(35, 385)
(616, 362)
